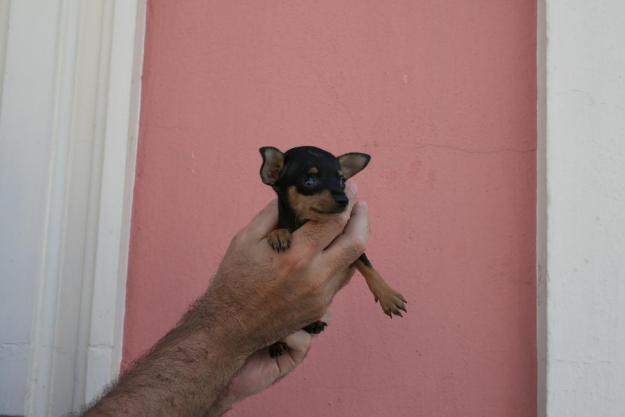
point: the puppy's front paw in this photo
(279, 239)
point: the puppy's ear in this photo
(273, 162)
(352, 163)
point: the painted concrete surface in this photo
(585, 159)
(442, 95)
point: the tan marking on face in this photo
(304, 206)
(313, 170)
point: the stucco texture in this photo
(442, 94)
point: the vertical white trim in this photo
(107, 314)
(541, 211)
(85, 132)
(584, 155)
(44, 334)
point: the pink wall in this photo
(442, 94)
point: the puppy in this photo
(310, 184)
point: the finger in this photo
(298, 341)
(351, 244)
(342, 279)
(337, 281)
(314, 236)
(299, 345)
(264, 222)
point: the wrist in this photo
(220, 319)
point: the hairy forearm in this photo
(256, 298)
(218, 408)
(183, 375)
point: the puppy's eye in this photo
(310, 181)
(342, 182)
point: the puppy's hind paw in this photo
(316, 327)
(279, 239)
(277, 349)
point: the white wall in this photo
(585, 208)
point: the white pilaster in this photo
(583, 209)
(68, 130)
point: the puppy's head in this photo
(311, 179)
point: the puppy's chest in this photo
(288, 219)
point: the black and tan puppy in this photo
(310, 184)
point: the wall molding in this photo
(79, 308)
(118, 175)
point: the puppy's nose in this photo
(341, 200)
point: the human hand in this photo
(258, 297)
(261, 370)
(263, 296)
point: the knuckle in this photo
(349, 254)
(313, 287)
(318, 303)
(340, 220)
(307, 236)
(293, 262)
(359, 244)
(285, 269)
(320, 308)
(240, 237)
